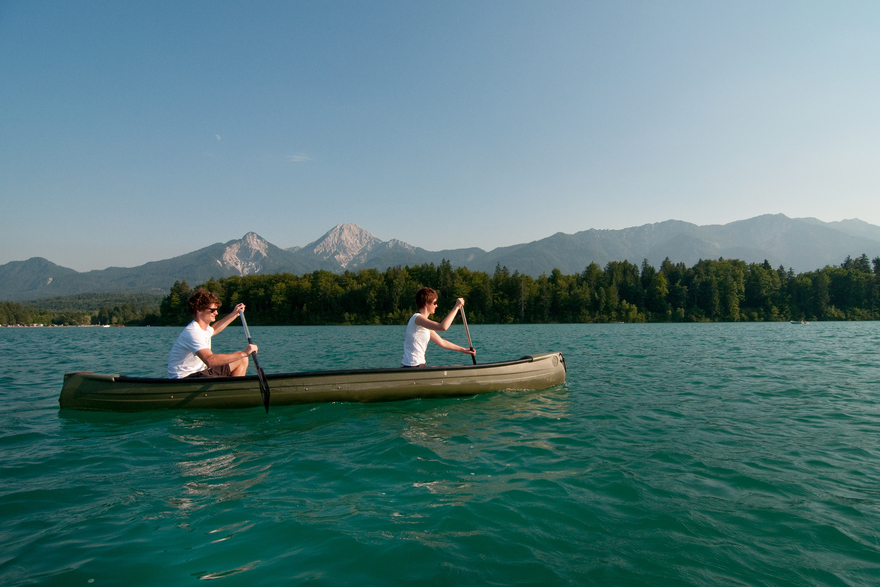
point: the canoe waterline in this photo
(118, 393)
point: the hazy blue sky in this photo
(138, 131)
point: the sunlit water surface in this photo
(711, 454)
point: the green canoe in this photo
(118, 393)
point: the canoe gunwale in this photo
(329, 373)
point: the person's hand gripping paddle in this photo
(264, 386)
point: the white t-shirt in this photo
(415, 344)
(183, 362)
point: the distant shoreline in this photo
(65, 326)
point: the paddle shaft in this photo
(247, 332)
(468, 334)
(264, 386)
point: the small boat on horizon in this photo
(119, 393)
(799, 322)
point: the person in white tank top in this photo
(422, 329)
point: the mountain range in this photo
(802, 244)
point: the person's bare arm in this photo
(219, 325)
(216, 360)
(444, 324)
(450, 346)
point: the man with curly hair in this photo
(191, 354)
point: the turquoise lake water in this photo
(699, 454)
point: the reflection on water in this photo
(224, 574)
(478, 418)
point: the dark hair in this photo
(200, 299)
(425, 296)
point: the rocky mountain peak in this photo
(396, 243)
(245, 256)
(345, 242)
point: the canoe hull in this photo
(118, 393)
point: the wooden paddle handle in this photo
(468, 334)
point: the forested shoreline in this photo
(712, 290)
(119, 309)
(720, 290)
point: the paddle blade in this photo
(264, 385)
(264, 389)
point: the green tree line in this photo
(84, 309)
(720, 290)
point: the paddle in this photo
(467, 332)
(264, 387)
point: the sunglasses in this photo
(212, 310)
